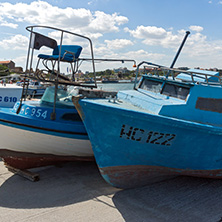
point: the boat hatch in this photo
(166, 88)
(71, 117)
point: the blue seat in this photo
(69, 53)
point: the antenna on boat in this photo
(159, 66)
(179, 50)
(178, 53)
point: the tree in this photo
(108, 72)
(3, 68)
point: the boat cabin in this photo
(193, 95)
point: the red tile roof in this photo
(4, 62)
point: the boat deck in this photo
(141, 101)
(127, 102)
(77, 192)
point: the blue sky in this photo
(147, 30)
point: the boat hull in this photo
(25, 148)
(135, 148)
(25, 160)
(140, 175)
(31, 138)
(9, 95)
(35, 92)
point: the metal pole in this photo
(179, 50)
(53, 114)
(27, 63)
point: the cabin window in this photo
(151, 85)
(209, 104)
(71, 117)
(176, 91)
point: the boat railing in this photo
(49, 66)
(194, 76)
(61, 53)
(37, 40)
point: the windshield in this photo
(64, 95)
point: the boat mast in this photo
(179, 50)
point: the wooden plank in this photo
(24, 173)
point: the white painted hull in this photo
(20, 140)
(9, 95)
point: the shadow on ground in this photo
(58, 186)
(178, 199)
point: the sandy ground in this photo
(77, 192)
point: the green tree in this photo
(4, 70)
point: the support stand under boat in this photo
(24, 173)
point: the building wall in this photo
(9, 64)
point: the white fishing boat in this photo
(9, 94)
(35, 88)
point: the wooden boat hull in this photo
(139, 175)
(25, 160)
(135, 147)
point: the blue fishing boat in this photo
(49, 131)
(166, 127)
(32, 139)
(169, 125)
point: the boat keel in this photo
(25, 160)
(139, 175)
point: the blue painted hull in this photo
(133, 148)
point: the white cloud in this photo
(7, 24)
(152, 32)
(42, 13)
(96, 24)
(198, 50)
(82, 21)
(103, 22)
(141, 55)
(17, 42)
(196, 28)
(92, 2)
(153, 35)
(118, 43)
(19, 60)
(137, 55)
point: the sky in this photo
(144, 30)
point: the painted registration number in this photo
(8, 99)
(146, 136)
